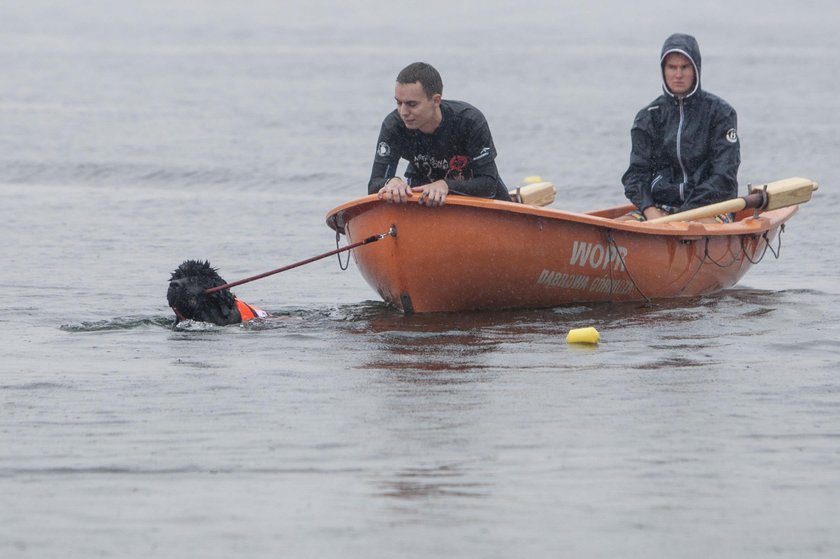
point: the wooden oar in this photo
(540, 193)
(770, 196)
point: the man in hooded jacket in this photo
(685, 148)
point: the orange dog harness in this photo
(248, 312)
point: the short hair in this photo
(424, 73)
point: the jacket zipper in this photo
(679, 150)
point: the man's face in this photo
(679, 74)
(417, 111)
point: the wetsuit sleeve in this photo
(639, 175)
(388, 152)
(721, 168)
(481, 155)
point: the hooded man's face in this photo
(678, 72)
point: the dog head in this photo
(187, 297)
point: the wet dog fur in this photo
(186, 295)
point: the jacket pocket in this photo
(665, 191)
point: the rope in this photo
(706, 257)
(699, 265)
(342, 267)
(767, 247)
(611, 241)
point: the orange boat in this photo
(475, 253)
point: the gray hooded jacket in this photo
(686, 151)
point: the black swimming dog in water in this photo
(188, 298)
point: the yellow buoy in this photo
(532, 179)
(583, 336)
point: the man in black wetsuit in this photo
(447, 144)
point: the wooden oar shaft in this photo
(771, 196)
(728, 206)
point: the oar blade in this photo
(787, 192)
(534, 194)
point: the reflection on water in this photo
(455, 347)
(444, 481)
(478, 332)
(119, 323)
(676, 334)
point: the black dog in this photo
(188, 298)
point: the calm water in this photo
(132, 138)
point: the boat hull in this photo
(476, 254)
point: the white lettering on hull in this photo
(597, 256)
(559, 279)
(562, 280)
(614, 287)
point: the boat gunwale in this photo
(748, 225)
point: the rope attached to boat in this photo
(708, 257)
(767, 246)
(775, 252)
(392, 231)
(611, 242)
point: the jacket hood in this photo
(686, 45)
